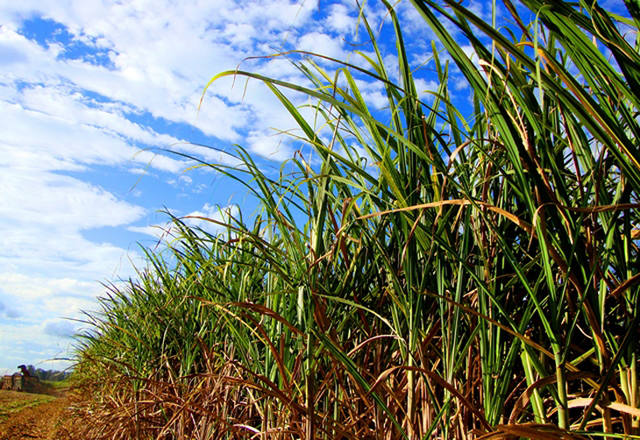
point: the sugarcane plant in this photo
(429, 270)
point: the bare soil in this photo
(34, 416)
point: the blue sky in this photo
(92, 91)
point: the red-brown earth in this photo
(34, 416)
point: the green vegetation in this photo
(48, 375)
(475, 277)
(58, 384)
(13, 401)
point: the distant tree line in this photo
(52, 375)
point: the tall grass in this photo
(455, 275)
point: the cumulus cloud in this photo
(426, 89)
(7, 312)
(91, 107)
(60, 202)
(340, 19)
(98, 101)
(323, 44)
(271, 145)
(159, 232)
(150, 69)
(209, 219)
(60, 328)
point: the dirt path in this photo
(42, 421)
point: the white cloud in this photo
(33, 335)
(60, 202)
(59, 327)
(159, 232)
(48, 251)
(270, 145)
(139, 171)
(207, 218)
(481, 8)
(65, 118)
(153, 69)
(61, 129)
(426, 89)
(339, 19)
(460, 83)
(48, 267)
(29, 344)
(323, 44)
